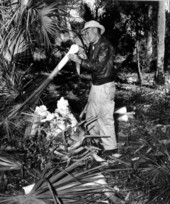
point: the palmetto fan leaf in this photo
(69, 185)
(154, 168)
(47, 24)
(8, 84)
(158, 181)
(8, 163)
(35, 23)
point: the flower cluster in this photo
(54, 123)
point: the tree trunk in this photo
(139, 72)
(149, 45)
(159, 75)
(149, 41)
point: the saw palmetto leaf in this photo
(8, 163)
(33, 24)
(19, 200)
(48, 24)
(153, 166)
(68, 185)
(26, 25)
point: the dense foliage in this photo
(49, 143)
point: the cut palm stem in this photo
(73, 49)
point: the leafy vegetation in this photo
(50, 151)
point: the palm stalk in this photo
(26, 25)
(40, 89)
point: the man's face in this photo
(91, 35)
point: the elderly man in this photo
(101, 103)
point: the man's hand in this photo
(74, 58)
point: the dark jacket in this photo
(100, 61)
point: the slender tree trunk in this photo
(149, 41)
(159, 75)
(139, 72)
(149, 46)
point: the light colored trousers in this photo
(101, 104)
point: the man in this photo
(100, 62)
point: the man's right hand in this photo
(74, 58)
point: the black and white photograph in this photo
(84, 102)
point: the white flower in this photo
(62, 103)
(41, 111)
(73, 120)
(49, 117)
(63, 107)
(55, 123)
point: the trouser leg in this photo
(93, 127)
(102, 106)
(107, 126)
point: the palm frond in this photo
(36, 23)
(66, 185)
(7, 163)
(153, 166)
